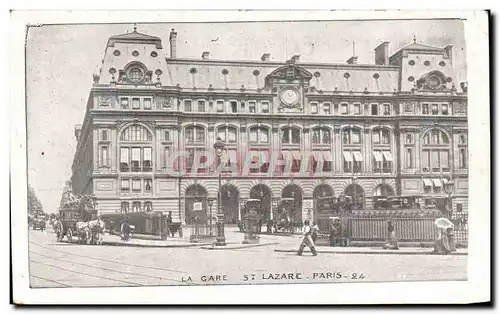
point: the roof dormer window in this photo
(135, 74)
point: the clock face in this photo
(289, 96)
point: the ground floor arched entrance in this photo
(230, 197)
(291, 200)
(261, 194)
(195, 203)
(355, 196)
(323, 200)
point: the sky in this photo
(60, 61)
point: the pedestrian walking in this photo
(307, 240)
(314, 232)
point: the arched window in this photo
(195, 134)
(259, 135)
(435, 152)
(227, 134)
(136, 133)
(381, 136)
(136, 149)
(290, 135)
(436, 137)
(321, 136)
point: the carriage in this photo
(38, 220)
(74, 219)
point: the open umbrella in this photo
(443, 223)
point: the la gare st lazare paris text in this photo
(280, 276)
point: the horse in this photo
(96, 230)
(83, 231)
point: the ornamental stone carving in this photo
(163, 102)
(104, 101)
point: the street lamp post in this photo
(449, 188)
(221, 238)
(210, 204)
(293, 211)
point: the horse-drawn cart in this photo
(76, 224)
(39, 220)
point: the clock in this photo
(289, 96)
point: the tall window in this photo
(374, 109)
(136, 149)
(351, 151)
(351, 136)
(264, 107)
(344, 109)
(259, 135)
(148, 206)
(124, 207)
(136, 185)
(227, 134)
(356, 109)
(321, 136)
(195, 134)
(136, 207)
(136, 103)
(220, 105)
(327, 108)
(381, 136)
(314, 108)
(201, 106)
(104, 156)
(387, 109)
(382, 161)
(234, 107)
(148, 185)
(125, 185)
(147, 103)
(251, 106)
(290, 136)
(124, 103)
(435, 152)
(188, 106)
(462, 151)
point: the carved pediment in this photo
(290, 72)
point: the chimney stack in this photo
(205, 55)
(265, 57)
(382, 54)
(295, 58)
(352, 60)
(78, 131)
(173, 44)
(449, 52)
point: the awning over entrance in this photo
(378, 156)
(427, 182)
(388, 156)
(357, 156)
(348, 156)
(437, 182)
(327, 156)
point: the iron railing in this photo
(410, 226)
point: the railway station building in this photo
(294, 130)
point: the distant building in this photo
(396, 127)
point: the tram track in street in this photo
(106, 269)
(50, 280)
(85, 274)
(109, 261)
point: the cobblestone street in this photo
(55, 264)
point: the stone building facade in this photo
(395, 127)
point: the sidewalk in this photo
(234, 240)
(371, 250)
